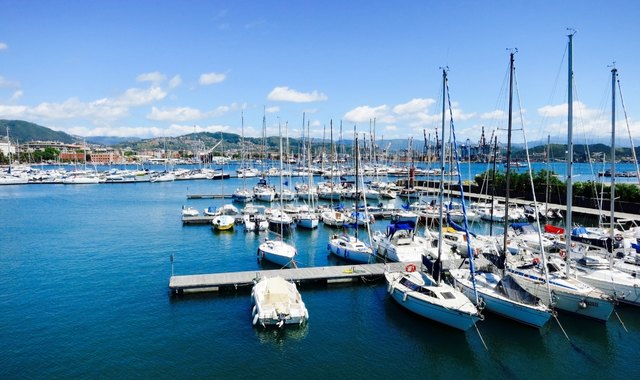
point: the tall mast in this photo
(506, 193)
(614, 74)
(568, 222)
(440, 195)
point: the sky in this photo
(168, 68)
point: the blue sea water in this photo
(84, 273)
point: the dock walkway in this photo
(233, 280)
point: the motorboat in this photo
(189, 211)
(277, 302)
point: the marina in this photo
(83, 274)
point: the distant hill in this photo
(24, 131)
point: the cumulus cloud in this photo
(560, 110)
(273, 109)
(13, 112)
(3, 46)
(211, 78)
(365, 113)
(188, 114)
(413, 106)
(138, 96)
(494, 115)
(286, 94)
(175, 114)
(154, 77)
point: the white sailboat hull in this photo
(531, 315)
(277, 252)
(458, 316)
(588, 303)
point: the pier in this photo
(323, 275)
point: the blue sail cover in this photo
(407, 225)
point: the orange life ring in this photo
(410, 268)
(535, 260)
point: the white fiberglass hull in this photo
(277, 252)
(495, 302)
(568, 294)
(457, 312)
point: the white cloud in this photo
(3, 46)
(285, 94)
(175, 82)
(139, 96)
(273, 109)
(175, 114)
(365, 113)
(413, 106)
(16, 96)
(494, 115)
(560, 110)
(154, 77)
(13, 112)
(188, 113)
(211, 78)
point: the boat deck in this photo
(179, 284)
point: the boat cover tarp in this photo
(408, 225)
(457, 227)
(515, 292)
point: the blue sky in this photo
(166, 68)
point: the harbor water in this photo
(84, 272)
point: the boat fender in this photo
(255, 319)
(582, 304)
(253, 311)
(390, 289)
(258, 252)
(410, 268)
(404, 297)
(563, 253)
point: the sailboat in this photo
(566, 292)
(277, 251)
(308, 218)
(595, 269)
(346, 246)
(500, 294)
(242, 195)
(424, 293)
(331, 192)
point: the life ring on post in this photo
(536, 260)
(563, 253)
(618, 237)
(410, 268)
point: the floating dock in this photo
(321, 275)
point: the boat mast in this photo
(569, 182)
(357, 187)
(614, 74)
(438, 263)
(507, 178)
